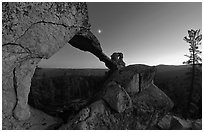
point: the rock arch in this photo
(32, 31)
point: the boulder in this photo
(89, 118)
(150, 106)
(197, 124)
(180, 124)
(172, 122)
(38, 121)
(134, 84)
(165, 122)
(119, 109)
(118, 59)
(117, 98)
(134, 78)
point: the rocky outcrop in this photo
(172, 122)
(38, 121)
(124, 105)
(134, 78)
(118, 59)
(30, 32)
(86, 41)
(117, 98)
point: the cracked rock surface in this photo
(30, 32)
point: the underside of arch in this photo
(35, 31)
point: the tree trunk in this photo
(192, 85)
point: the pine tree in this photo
(194, 39)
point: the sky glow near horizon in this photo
(146, 33)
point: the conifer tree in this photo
(194, 40)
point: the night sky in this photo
(146, 33)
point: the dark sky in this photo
(146, 33)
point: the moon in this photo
(99, 31)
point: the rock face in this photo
(134, 78)
(125, 107)
(117, 97)
(38, 121)
(30, 32)
(165, 122)
(118, 59)
(171, 122)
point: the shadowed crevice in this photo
(15, 87)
